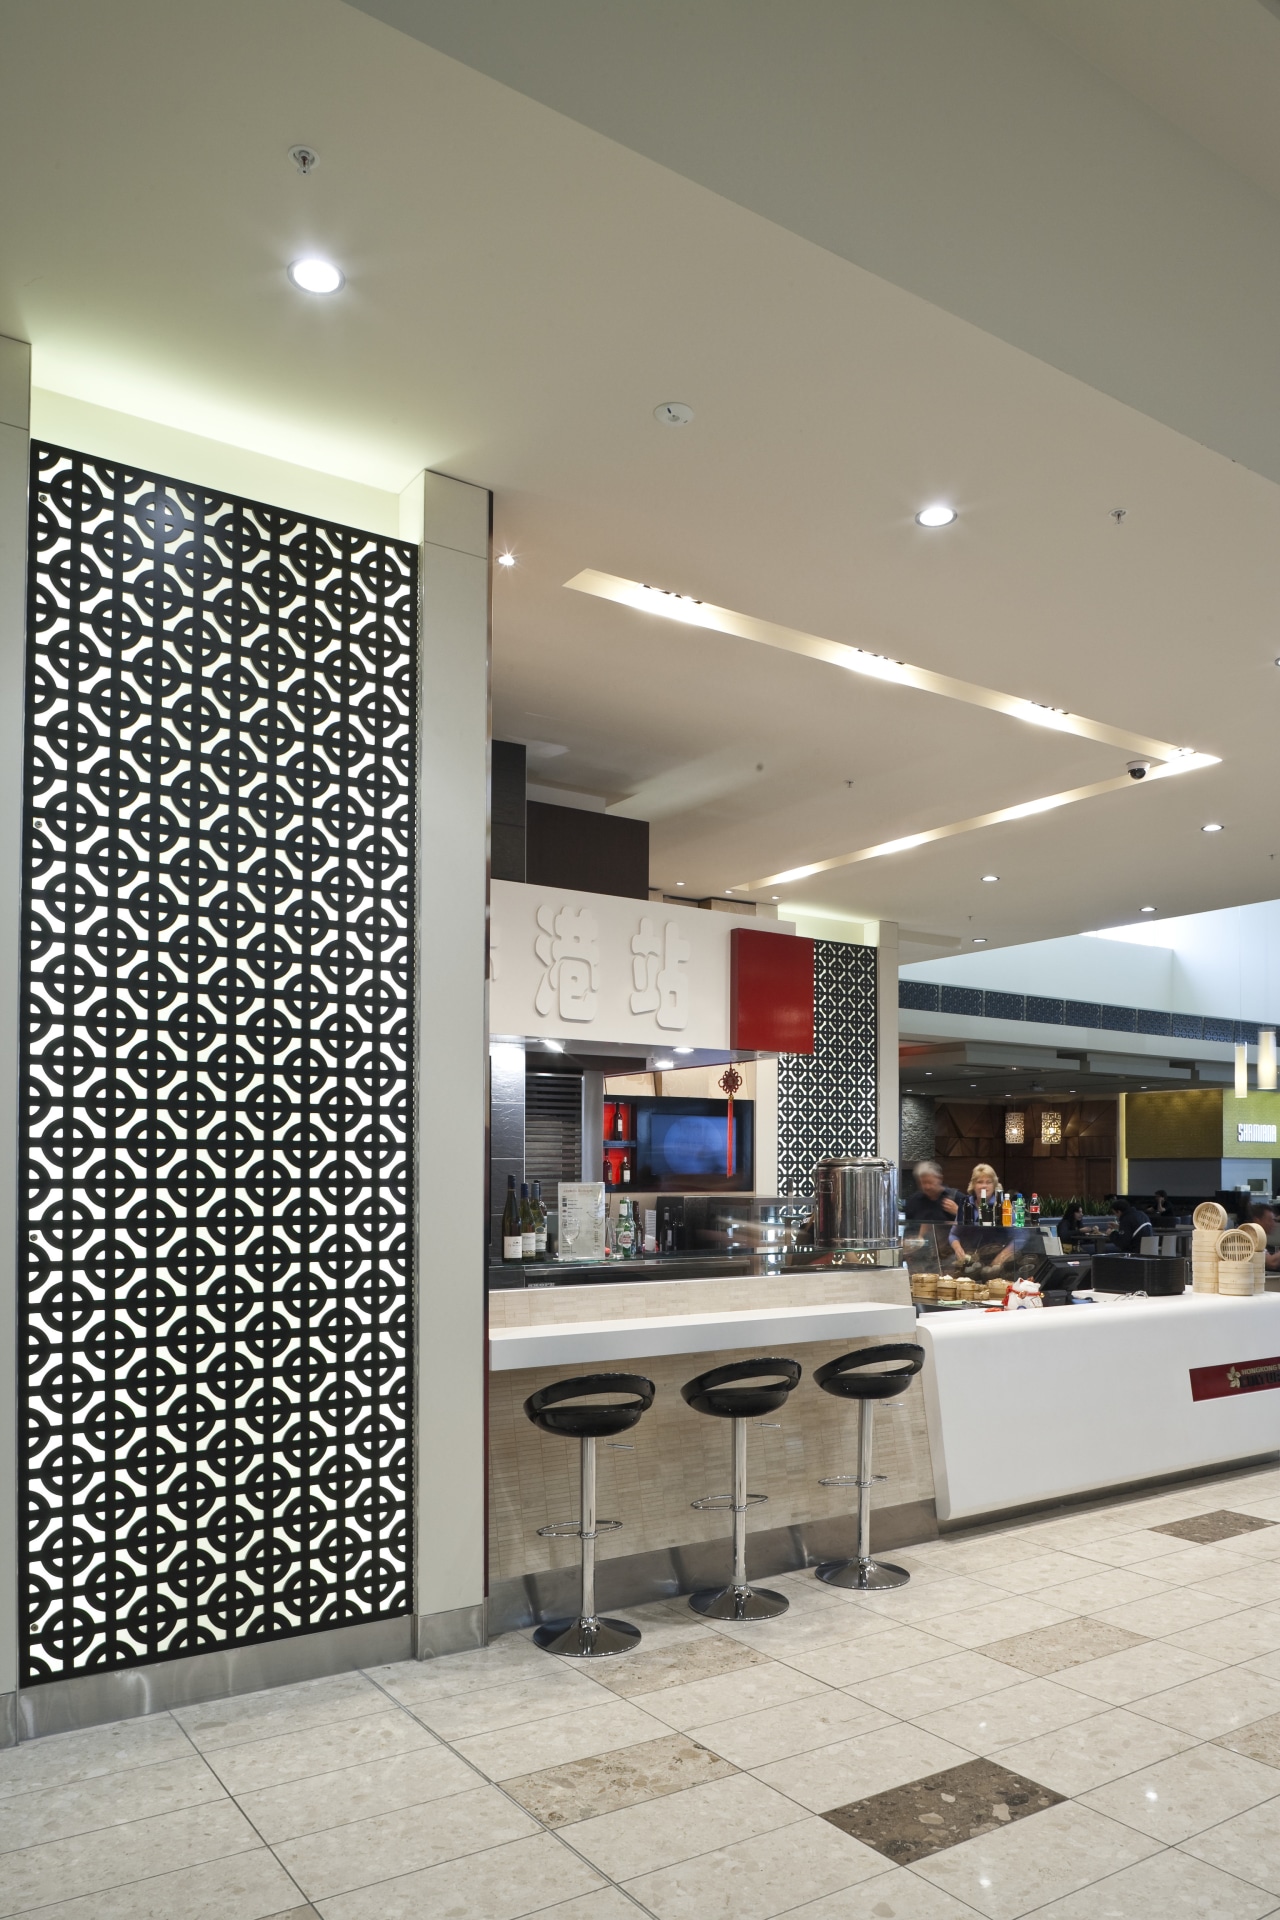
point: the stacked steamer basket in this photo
(1208, 1221)
(1258, 1235)
(1236, 1250)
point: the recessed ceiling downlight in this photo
(938, 515)
(1146, 909)
(315, 276)
(506, 559)
(1214, 826)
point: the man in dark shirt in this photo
(1131, 1225)
(932, 1203)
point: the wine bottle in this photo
(626, 1172)
(528, 1230)
(512, 1238)
(539, 1221)
(620, 1121)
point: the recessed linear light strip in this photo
(743, 626)
(1023, 811)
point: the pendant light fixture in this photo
(1242, 1070)
(1267, 1059)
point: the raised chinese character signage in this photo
(583, 967)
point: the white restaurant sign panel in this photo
(583, 967)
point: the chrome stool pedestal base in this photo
(596, 1639)
(739, 1603)
(864, 1576)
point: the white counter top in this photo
(1042, 1404)
(772, 1330)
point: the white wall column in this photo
(888, 1117)
(450, 522)
(15, 415)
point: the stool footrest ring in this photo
(851, 1480)
(572, 1529)
(724, 1503)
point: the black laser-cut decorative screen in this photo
(217, 994)
(827, 1098)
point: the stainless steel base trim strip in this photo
(455, 1631)
(632, 1579)
(8, 1719)
(92, 1699)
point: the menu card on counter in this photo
(582, 1213)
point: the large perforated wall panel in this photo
(218, 1010)
(827, 1099)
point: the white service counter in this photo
(1044, 1404)
(598, 1343)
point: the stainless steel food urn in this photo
(857, 1203)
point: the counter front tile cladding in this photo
(1131, 1773)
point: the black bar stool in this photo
(871, 1374)
(712, 1393)
(588, 1637)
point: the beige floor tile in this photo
(913, 1691)
(896, 1895)
(658, 1833)
(1179, 1797)
(1121, 1678)
(1218, 1703)
(107, 1800)
(391, 1844)
(503, 1884)
(356, 1793)
(775, 1733)
(608, 1903)
(758, 1878)
(700, 1657)
(1248, 1845)
(1260, 1740)
(279, 1710)
(61, 1758)
(555, 1688)
(112, 1856)
(1026, 1865)
(1030, 1573)
(1170, 1612)
(1106, 1587)
(583, 1788)
(509, 1658)
(933, 1599)
(998, 1619)
(1090, 1752)
(990, 1721)
(1257, 1585)
(1237, 1636)
(804, 1630)
(852, 1662)
(729, 1695)
(806, 1592)
(565, 1736)
(865, 1764)
(1198, 1565)
(245, 1886)
(1168, 1886)
(296, 1756)
(1133, 1550)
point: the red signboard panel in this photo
(1243, 1376)
(770, 992)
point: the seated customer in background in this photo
(932, 1203)
(1131, 1224)
(1071, 1224)
(1265, 1215)
(1163, 1218)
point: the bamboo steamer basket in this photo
(1209, 1216)
(1204, 1259)
(1237, 1256)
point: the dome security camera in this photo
(1138, 769)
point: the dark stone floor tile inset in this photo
(1205, 1528)
(927, 1816)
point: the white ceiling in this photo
(522, 291)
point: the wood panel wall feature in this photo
(1184, 1123)
(1082, 1162)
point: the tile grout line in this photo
(303, 1900)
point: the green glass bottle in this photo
(512, 1238)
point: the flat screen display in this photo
(682, 1146)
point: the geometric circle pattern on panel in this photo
(218, 1009)
(827, 1099)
